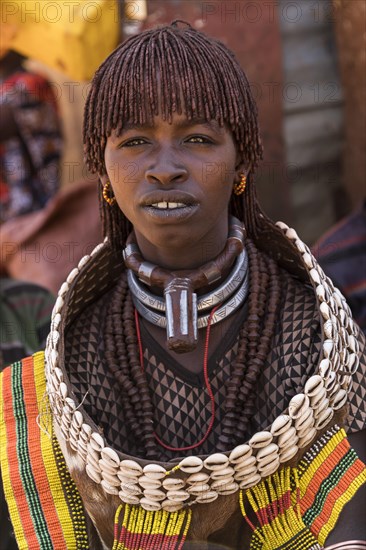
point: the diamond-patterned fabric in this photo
(181, 402)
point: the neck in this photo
(177, 255)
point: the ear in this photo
(242, 168)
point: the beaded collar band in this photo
(198, 479)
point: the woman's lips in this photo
(170, 210)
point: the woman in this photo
(196, 385)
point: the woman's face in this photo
(173, 181)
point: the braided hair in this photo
(177, 69)
(165, 70)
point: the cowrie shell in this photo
(228, 489)
(250, 481)
(154, 471)
(323, 405)
(315, 400)
(198, 488)
(128, 499)
(297, 405)
(352, 363)
(110, 489)
(324, 418)
(217, 461)
(56, 320)
(154, 494)
(246, 463)
(282, 226)
(286, 436)
(325, 310)
(300, 246)
(225, 472)
(333, 391)
(58, 305)
(306, 439)
(221, 484)
(63, 289)
(96, 249)
(149, 483)
(288, 453)
(240, 452)
(346, 382)
(77, 419)
(191, 464)
(264, 452)
(205, 498)
(328, 347)
(171, 483)
(130, 467)
(269, 468)
(245, 472)
(308, 260)
(126, 480)
(107, 467)
(281, 424)
(111, 479)
(84, 260)
(178, 496)
(93, 473)
(54, 359)
(171, 506)
(260, 439)
(331, 381)
(299, 421)
(110, 456)
(313, 384)
(324, 368)
(130, 489)
(339, 399)
(352, 343)
(63, 390)
(71, 276)
(291, 234)
(305, 430)
(320, 292)
(96, 441)
(85, 432)
(315, 276)
(150, 505)
(200, 477)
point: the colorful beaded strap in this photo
(44, 505)
(299, 507)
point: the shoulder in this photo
(295, 355)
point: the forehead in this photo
(179, 121)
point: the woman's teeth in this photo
(169, 205)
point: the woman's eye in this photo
(198, 139)
(133, 142)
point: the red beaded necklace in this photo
(207, 383)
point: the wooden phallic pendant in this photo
(181, 315)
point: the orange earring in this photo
(239, 188)
(110, 200)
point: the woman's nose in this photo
(165, 170)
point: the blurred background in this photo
(305, 61)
